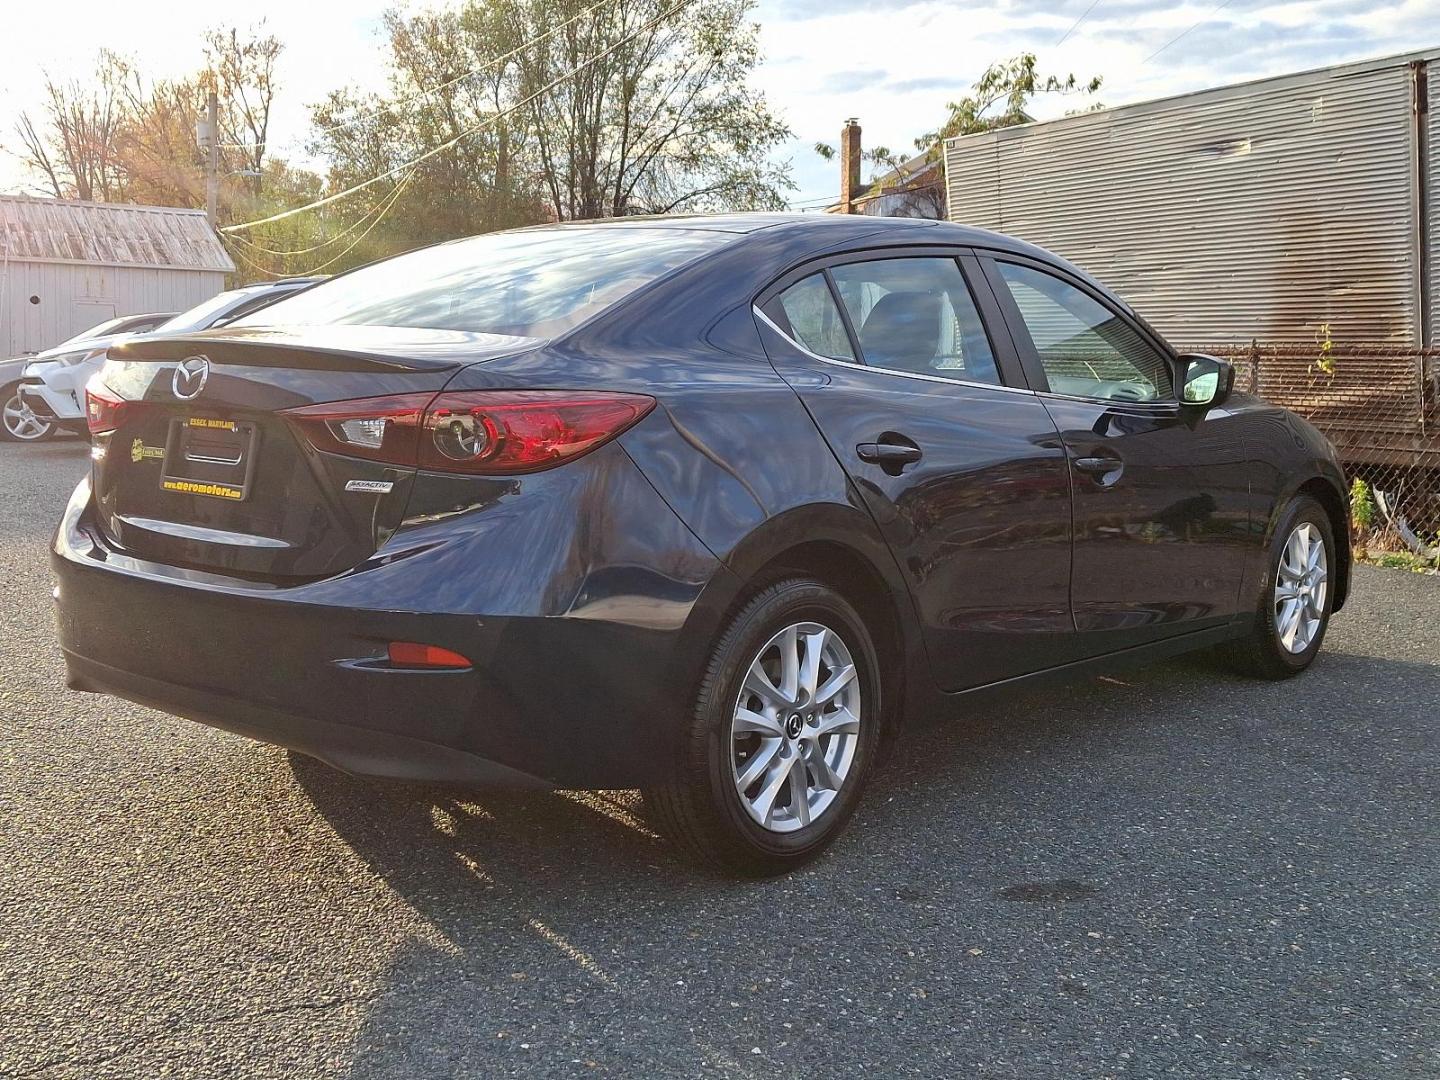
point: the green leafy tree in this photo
(660, 117)
(1001, 98)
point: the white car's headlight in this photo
(62, 360)
(80, 356)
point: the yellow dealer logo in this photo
(139, 451)
(191, 487)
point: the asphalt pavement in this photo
(1171, 873)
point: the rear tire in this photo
(1297, 596)
(774, 763)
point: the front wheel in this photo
(784, 732)
(1297, 597)
(18, 422)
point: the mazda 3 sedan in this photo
(703, 506)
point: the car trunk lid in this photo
(203, 469)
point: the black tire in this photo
(1260, 652)
(7, 393)
(699, 809)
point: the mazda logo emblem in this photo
(189, 378)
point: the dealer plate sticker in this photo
(210, 457)
(204, 487)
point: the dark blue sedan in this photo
(704, 506)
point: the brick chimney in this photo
(849, 165)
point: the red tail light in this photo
(381, 429)
(412, 654)
(486, 432)
(103, 409)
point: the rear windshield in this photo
(525, 284)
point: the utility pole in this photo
(212, 159)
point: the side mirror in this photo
(1205, 381)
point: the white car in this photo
(52, 390)
(18, 421)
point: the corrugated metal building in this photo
(1250, 212)
(65, 266)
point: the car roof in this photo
(824, 231)
(818, 224)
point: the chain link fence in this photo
(1380, 406)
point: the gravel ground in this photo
(1175, 873)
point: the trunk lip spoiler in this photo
(351, 349)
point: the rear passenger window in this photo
(1086, 349)
(916, 315)
(814, 319)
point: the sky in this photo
(894, 64)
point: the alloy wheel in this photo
(796, 727)
(20, 421)
(1300, 587)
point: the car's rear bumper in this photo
(587, 693)
(361, 750)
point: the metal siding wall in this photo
(972, 186)
(1252, 212)
(1432, 186)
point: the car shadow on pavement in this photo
(572, 935)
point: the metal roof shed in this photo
(65, 266)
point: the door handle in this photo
(1105, 470)
(888, 455)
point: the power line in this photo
(379, 206)
(827, 200)
(449, 143)
(352, 121)
(1177, 37)
(385, 207)
(394, 198)
(1076, 23)
(256, 266)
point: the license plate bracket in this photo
(209, 456)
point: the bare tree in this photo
(73, 144)
(242, 72)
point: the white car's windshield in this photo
(204, 314)
(109, 326)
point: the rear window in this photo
(526, 284)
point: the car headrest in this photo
(902, 330)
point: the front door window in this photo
(1086, 349)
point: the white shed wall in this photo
(75, 296)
